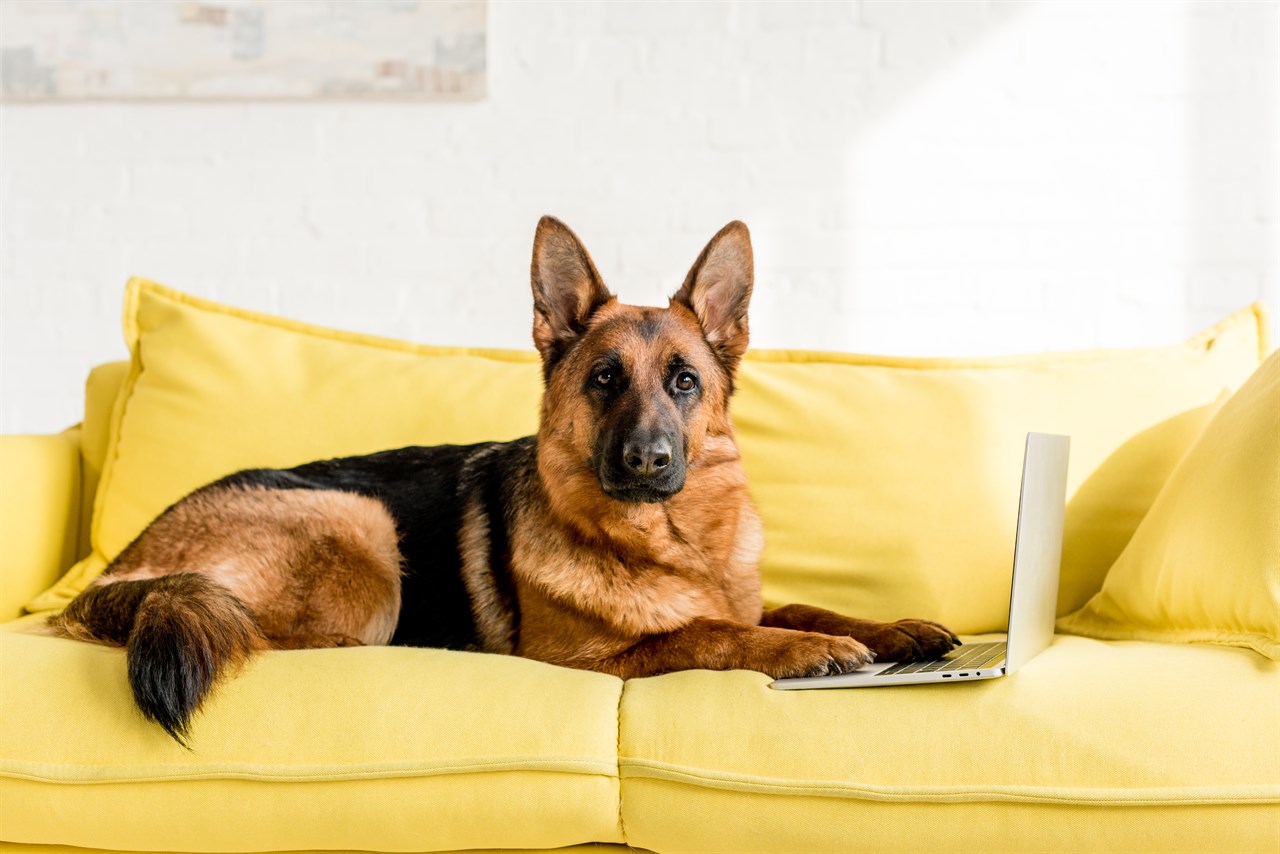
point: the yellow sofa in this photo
(888, 488)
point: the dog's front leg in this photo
(709, 644)
(904, 640)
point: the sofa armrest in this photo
(39, 514)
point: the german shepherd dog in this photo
(620, 538)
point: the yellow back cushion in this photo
(1204, 565)
(888, 486)
(212, 389)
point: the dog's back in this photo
(444, 501)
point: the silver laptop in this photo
(1033, 595)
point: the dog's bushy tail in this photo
(180, 632)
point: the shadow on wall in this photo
(907, 201)
(873, 205)
(1232, 230)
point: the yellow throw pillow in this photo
(1204, 565)
(888, 486)
(1104, 512)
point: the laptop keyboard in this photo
(965, 658)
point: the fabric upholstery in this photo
(355, 748)
(39, 510)
(1091, 746)
(1204, 565)
(888, 486)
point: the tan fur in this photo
(311, 567)
(495, 622)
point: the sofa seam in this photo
(1079, 624)
(667, 772)
(617, 757)
(586, 767)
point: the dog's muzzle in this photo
(646, 468)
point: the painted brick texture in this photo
(920, 178)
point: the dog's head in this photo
(634, 393)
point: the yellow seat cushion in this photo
(1092, 746)
(888, 486)
(349, 748)
(1204, 565)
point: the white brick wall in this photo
(920, 177)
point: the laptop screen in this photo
(1037, 551)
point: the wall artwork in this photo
(430, 50)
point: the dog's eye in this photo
(686, 381)
(604, 378)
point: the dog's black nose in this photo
(647, 458)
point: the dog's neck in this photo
(704, 512)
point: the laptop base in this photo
(976, 661)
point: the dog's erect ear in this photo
(567, 290)
(718, 289)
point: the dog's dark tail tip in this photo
(188, 629)
(164, 688)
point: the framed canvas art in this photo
(54, 50)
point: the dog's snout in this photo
(639, 455)
(647, 458)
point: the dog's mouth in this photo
(620, 486)
(640, 493)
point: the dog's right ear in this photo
(567, 289)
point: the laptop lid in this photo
(1037, 551)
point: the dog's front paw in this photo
(912, 640)
(813, 654)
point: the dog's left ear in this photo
(718, 289)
